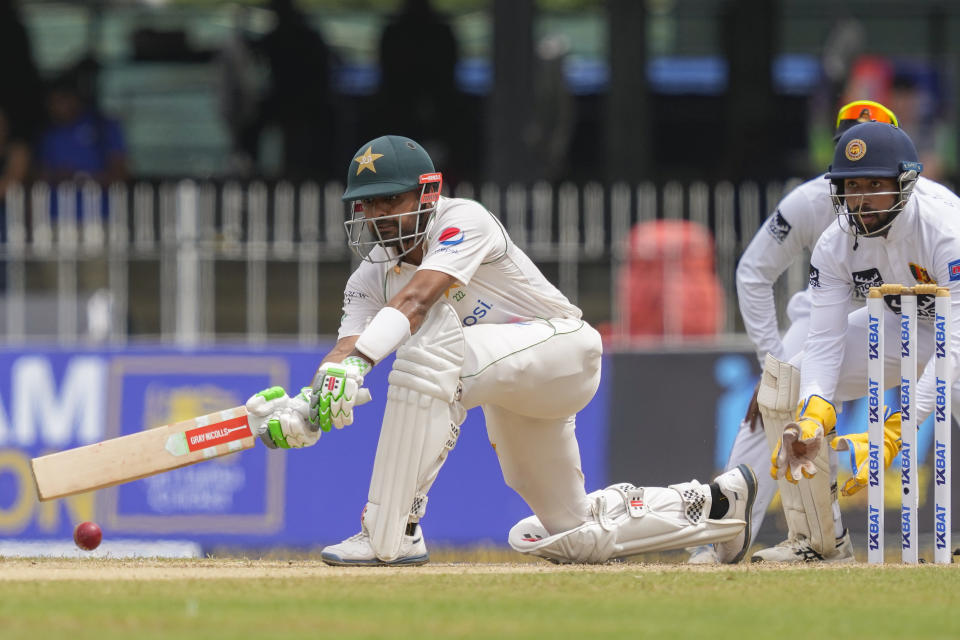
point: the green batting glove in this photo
(337, 388)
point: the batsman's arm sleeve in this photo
(477, 238)
(363, 297)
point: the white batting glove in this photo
(280, 421)
(337, 388)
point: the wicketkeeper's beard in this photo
(869, 221)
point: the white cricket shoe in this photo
(356, 551)
(740, 487)
(704, 554)
(798, 549)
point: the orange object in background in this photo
(669, 285)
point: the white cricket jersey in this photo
(801, 216)
(921, 247)
(496, 282)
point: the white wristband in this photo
(388, 330)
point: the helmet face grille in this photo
(388, 166)
(363, 234)
(872, 150)
(850, 207)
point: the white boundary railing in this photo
(80, 261)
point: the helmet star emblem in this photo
(366, 160)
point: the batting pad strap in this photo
(388, 330)
(633, 501)
(696, 498)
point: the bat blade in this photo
(143, 454)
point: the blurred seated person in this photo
(418, 94)
(80, 141)
(14, 158)
(14, 169)
(664, 252)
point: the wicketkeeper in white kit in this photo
(888, 231)
(474, 323)
(815, 529)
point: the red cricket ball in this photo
(87, 535)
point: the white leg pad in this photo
(807, 505)
(420, 426)
(628, 520)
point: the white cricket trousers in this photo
(530, 379)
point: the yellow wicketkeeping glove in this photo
(802, 439)
(858, 446)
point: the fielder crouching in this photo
(474, 323)
(889, 232)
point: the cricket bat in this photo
(147, 453)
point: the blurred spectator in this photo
(870, 78)
(844, 44)
(14, 159)
(14, 168)
(298, 99)
(418, 97)
(669, 285)
(80, 141)
(914, 91)
(238, 94)
(21, 91)
(548, 135)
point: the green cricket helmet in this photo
(386, 166)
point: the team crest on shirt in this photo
(863, 280)
(954, 269)
(814, 277)
(778, 227)
(920, 274)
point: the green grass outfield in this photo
(303, 598)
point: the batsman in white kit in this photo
(474, 323)
(888, 231)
